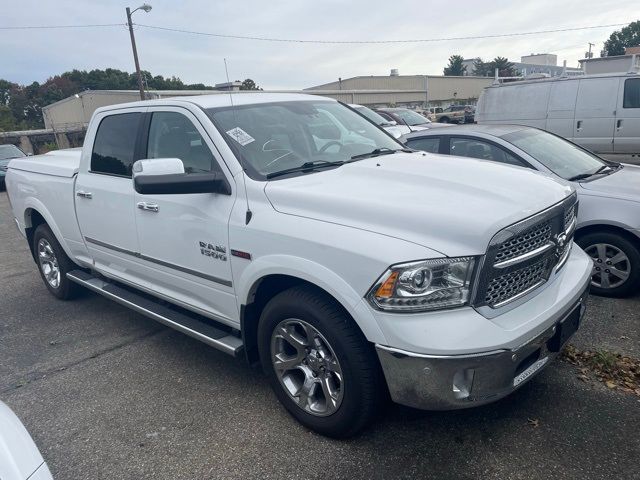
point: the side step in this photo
(187, 324)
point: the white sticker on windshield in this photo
(240, 136)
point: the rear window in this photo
(114, 146)
(631, 93)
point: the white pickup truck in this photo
(349, 267)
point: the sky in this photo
(35, 55)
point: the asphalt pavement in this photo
(109, 394)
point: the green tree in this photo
(481, 68)
(628, 36)
(249, 84)
(504, 66)
(455, 66)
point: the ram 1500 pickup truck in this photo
(292, 231)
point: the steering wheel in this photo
(331, 143)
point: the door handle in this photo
(83, 194)
(149, 207)
(579, 125)
(619, 124)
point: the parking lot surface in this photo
(108, 394)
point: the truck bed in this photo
(59, 163)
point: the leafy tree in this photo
(249, 84)
(455, 66)
(504, 66)
(628, 36)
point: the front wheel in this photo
(319, 364)
(616, 264)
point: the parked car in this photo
(20, 459)
(391, 126)
(452, 114)
(404, 116)
(609, 218)
(255, 224)
(598, 112)
(7, 152)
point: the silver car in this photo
(609, 218)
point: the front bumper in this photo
(447, 382)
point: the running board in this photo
(187, 324)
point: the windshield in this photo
(373, 116)
(10, 151)
(412, 118)
(560, 156)
(272, 137)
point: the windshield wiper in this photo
(305, 167)
(582, 176)
(380, 151)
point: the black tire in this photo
(631, 285)
(444, 120)
(363, 386)
(66, 289)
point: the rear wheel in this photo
(444, 120)
(616, 264)
(320, 365)
(53, 264)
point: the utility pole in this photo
(146, 8)
(589, 54)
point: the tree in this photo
(504, 66)
(628, 36)
(249, 84)
(455, 67)
(481, 68)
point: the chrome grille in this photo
(507, 286)
(525, 242)
(523, 256)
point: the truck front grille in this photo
(522, 257)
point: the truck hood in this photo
(623, 184)
(431, 200)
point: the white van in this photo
(598, 112)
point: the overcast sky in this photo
(35, 55)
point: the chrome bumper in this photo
(435, 382)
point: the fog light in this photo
(463, 383)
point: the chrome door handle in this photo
(83, 194)
(150, 207)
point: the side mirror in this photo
(166, 176)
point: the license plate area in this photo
(565, 329)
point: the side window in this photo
(631, 93)
(467, 147)
(172, 135)
(429, 144)
(115, 143)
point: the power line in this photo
(48, 27)
(423, 40)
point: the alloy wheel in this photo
(307, 367)
(611, 266)
(48, 263)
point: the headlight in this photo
(425, 285)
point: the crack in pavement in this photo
(36, 375)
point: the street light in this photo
(147, 8)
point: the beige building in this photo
(404, 90)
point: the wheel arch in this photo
(278, 275)
(607, 228)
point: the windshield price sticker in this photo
(240, 136)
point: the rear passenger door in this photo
(184, 238)
(595, 113)
(562, 105)
(104, 192)
(627, 128)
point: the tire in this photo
(359, 389)
(50, 256)
(444, 120)
(604, 247)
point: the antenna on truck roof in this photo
(244, 173)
